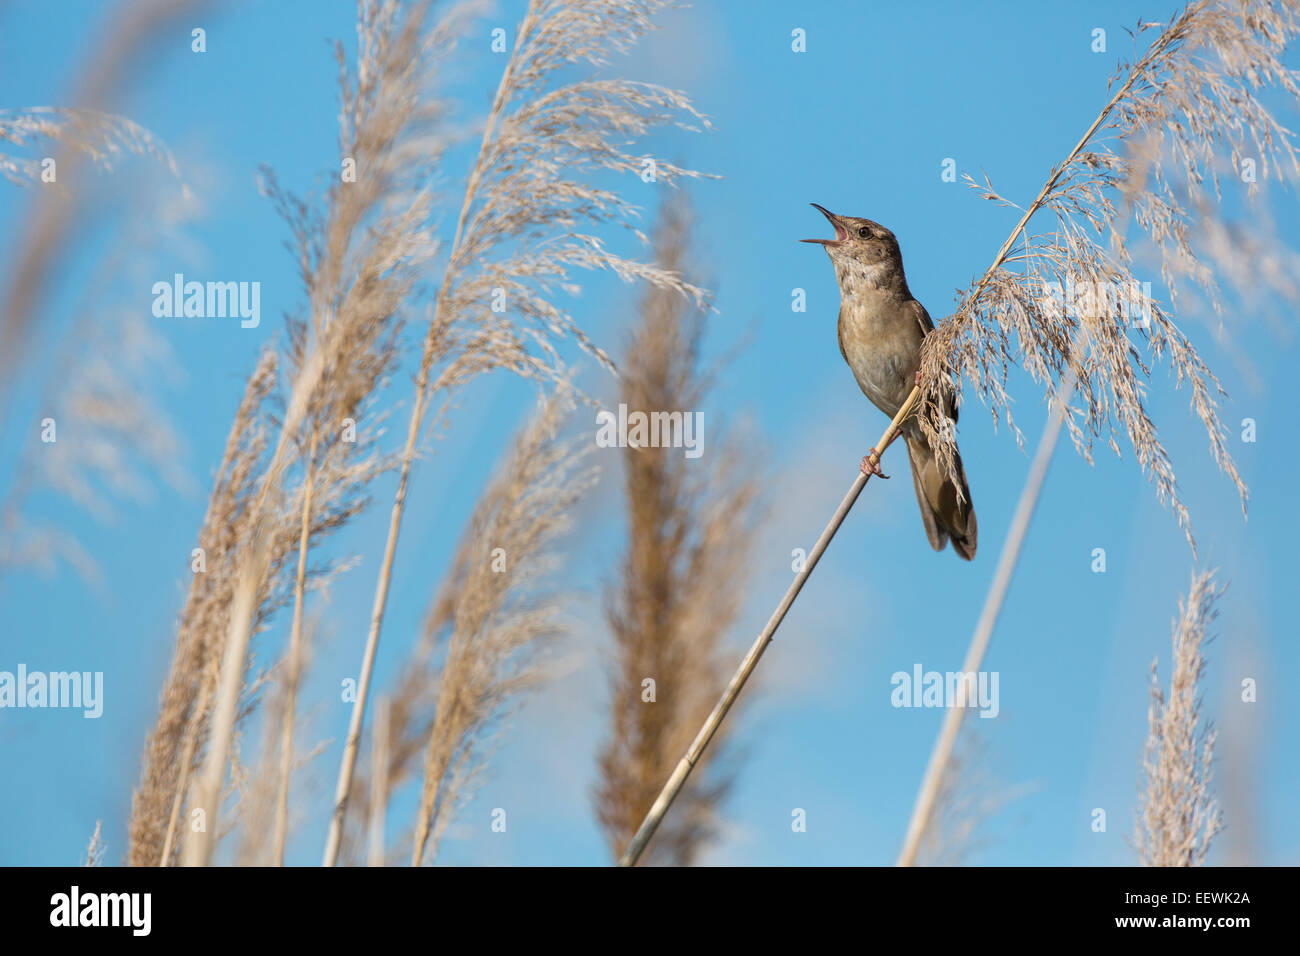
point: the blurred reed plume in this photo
(60, 215)
(1196, 93)
(965, 800)
(691, 526)
(114, 439)
(259, 807)
(1178, 815)
(519, 233)
(89, 368)
(69, 133)
(95, 849)
(176, 741)
(102, 137)
(109, 415)
(478, 650)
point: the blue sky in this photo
(860, 123)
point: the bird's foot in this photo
(918, 378)
(871, 465)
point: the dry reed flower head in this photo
(1195, 93)
(491, 623)
(1178, 815)
(691, 526)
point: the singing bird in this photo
(880, 330)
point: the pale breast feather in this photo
(839, 333)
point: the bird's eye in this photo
(864, 232)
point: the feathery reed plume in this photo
(518, 235)
(1178, 814)
(691, 525)
(1194, 94)
(102, 137)
(176, 740)
(501, 615)
(525, 522)
(1067, 196)
(360, 261)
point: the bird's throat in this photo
(870, 278)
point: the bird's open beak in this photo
(840, 232)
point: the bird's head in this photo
(862, 247)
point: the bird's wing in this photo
(922, 317)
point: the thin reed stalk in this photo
(941, 756)
(294, 662)
(379, 782)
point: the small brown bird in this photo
(880, 329)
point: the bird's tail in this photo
(945, 514)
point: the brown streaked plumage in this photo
(880, 331)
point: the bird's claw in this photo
(918, 378)
(872, 467)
